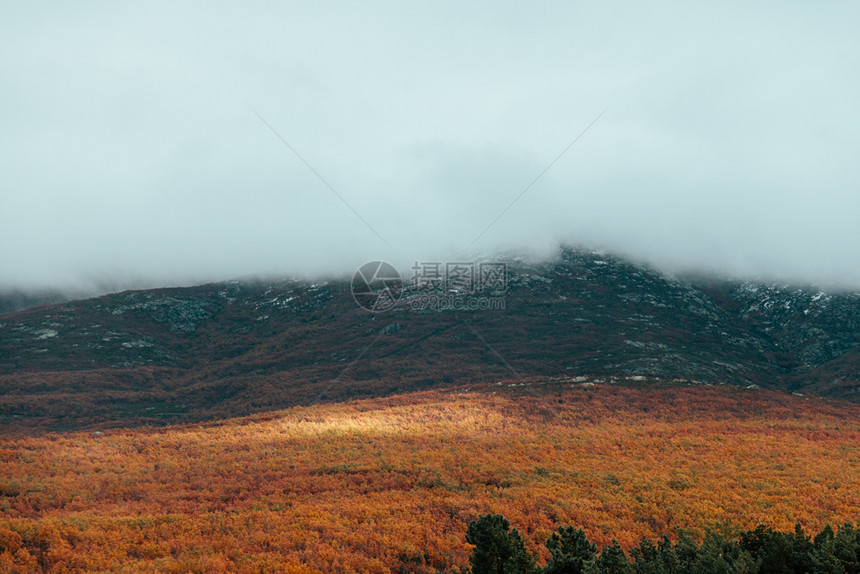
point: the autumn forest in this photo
(391, 484)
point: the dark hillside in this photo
(233, 348)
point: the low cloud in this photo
(131, 153)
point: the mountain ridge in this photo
(234, 348)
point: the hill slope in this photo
(234, 348)
(388, 485)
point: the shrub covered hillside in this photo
(390, 485)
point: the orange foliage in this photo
(388, 485)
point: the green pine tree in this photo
(497, 550)
(612, 560)
(569, 550)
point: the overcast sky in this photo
(131, 149)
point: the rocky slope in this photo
(232, 348)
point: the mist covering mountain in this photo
(146, 143)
